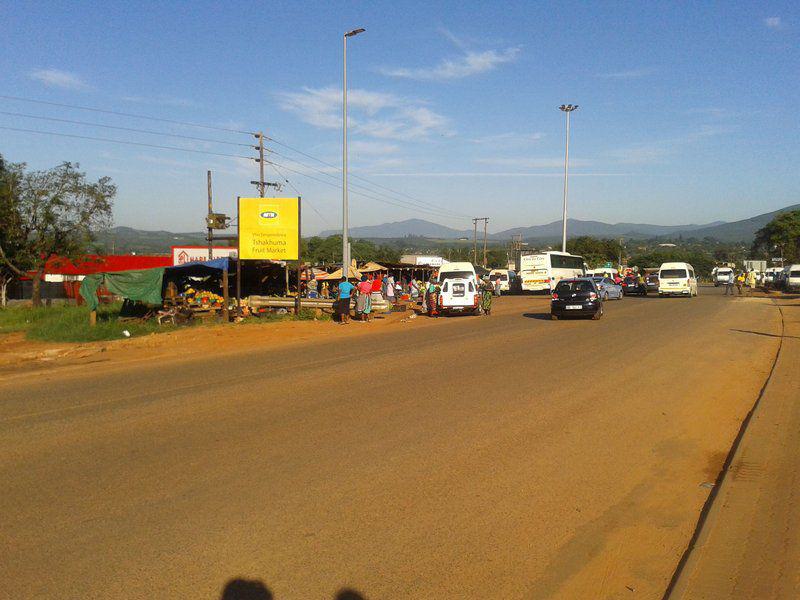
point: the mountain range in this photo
(736, 231)
(127, 239)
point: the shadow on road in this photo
(253, 589)
(539, 316)
(775, 335)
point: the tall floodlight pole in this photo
(345, 208)
(567, 108)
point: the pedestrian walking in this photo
(740, 282)
(497, 285)
(729, 285)
(487, 291)
(751, 282)
(344, 295)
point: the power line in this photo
(124, 114)
(354, 176)
(148, 131)
(376, 198)
(126, 142)
(404, 203)
(296, 191)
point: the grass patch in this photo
(69, 323)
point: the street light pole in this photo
(567, 108)
(345, 208)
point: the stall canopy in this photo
(371, 267)
(143, 285)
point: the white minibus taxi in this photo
(459, 285)
(677, 279)
(793, 278)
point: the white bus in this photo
(541, 272)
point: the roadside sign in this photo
(186, 254)
(269, 228)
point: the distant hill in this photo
(576, 227)
(399, 229)
(124, 240)
(740, 231)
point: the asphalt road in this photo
(496, 457)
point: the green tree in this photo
(55, 212)
(783, 233)
(595, 251)
(9, 226)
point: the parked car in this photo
(651, 282)
(631, 286)
(607, 288)
(576, 297)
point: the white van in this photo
(793, 279)
(723, 275)
(504, 275)
(459, 285)
(677, 279)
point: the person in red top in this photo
(364, 300)
(377, 284)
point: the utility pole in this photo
(566, 108)
(475, 241)
(485, 223)
(260, 148)
(210, 236)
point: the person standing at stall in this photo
(432, 297)
(344, 294)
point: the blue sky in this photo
(688, 111)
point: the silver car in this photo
(608, 289)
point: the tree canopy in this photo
(783, 234)
(48, 213)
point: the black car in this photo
(631, 286)
(651, 282)
(576, 297)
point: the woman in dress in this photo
(487, 291)
(432, 297)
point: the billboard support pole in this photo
(299, 256)
(210, 235)
(238, 264)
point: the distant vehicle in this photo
(771, 276)
(651, 282)
(793, 280)
(631, 286)
(505, 276)
(576, 297)
(723, 275)
(607, 288)
(459, 285)
(541, 272)
(610, 272)
(677, 279)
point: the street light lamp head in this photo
(568, 107)
(354, 32)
